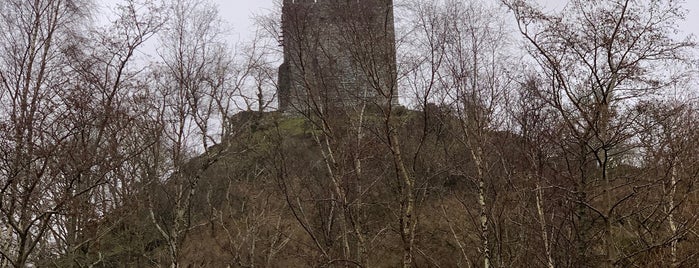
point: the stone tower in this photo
(337, 53)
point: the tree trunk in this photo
(542, 223)
(477, 155)
(407, 222)
(671, 216)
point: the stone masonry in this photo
(337, 53)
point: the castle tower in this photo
(337, 53)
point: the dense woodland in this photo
(525, 137)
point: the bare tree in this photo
(31, 72)
(667, 137)
(193, 108)
(581, 159)
(255, 70)
(67, 115)
(309, 53)
(537, 125)
(598, 57)
(339, 74)
(104, 107)
(464, 47)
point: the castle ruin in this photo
(337, 53)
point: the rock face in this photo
(337, 53)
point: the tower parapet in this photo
(337, 53)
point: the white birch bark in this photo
(671, 216)
(542, 224)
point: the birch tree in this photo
(465, 47)
(599, 56)
(667, 137)
(32, 191)
(340, 216)
(193, 109)
(67, 100)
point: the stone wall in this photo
(337, 53)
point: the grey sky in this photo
(239, 13)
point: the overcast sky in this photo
(239, 13)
